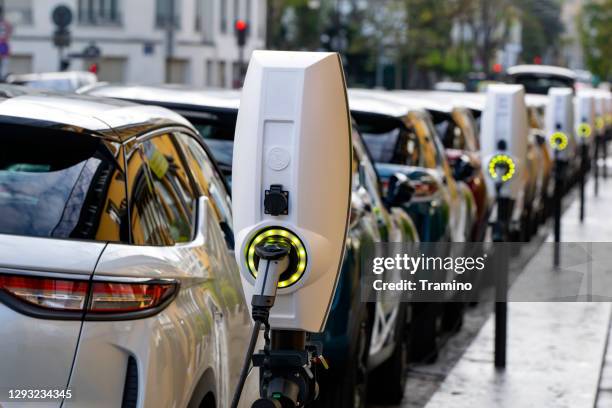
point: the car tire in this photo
(423, 333)
(452, 319)
(346, 386)
(386, 382)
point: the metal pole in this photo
(584, 156)
(557, 208)
(596, 164)
(501, 284)
(604, 145)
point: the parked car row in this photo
(133, 297)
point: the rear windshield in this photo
(539, 84)
(59, 184)
(388, 140)
(217, 127)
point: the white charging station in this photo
(292, 179)
(584, 117)
(504, 139)
(559, 123)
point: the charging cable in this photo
(273, 261)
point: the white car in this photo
(118, 284)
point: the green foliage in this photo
(595, 24)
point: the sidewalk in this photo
(556, 350)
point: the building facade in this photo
(141, 41)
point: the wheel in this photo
(386, 382)
(452, 319)
(346, 386)
(423, 345)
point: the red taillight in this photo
(110, 297)
(97, 298)
(48, 293)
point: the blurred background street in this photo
(422, 44)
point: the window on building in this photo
(237, 13)
(178, 70)
(261, 19)
(166, 12)
(221, 74)
(99, 12)
(223, 16)
(204, 19)
(210, 78)
(18, 12)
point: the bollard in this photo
(596, 165)
(500, 234)
(558, 197)
(584, 156)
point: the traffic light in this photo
(93, 68)
(242, 28)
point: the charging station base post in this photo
(504, 210)
(558, 197)
(596, 165)
(604, 145)
(584, 157)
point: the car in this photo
(360, 338)
(118, 283)
(426, 152)
(402, 140)
(522, 226)
(458, 132)
(67, 81)
(537, 79)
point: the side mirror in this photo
(463, 169)
(400, 190)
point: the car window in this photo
(172, 184)
(149, 220)
(59, 184)
(541, 83)
(450, 133)
(209, 183)
(388, 140)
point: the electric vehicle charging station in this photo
(291, 191)
(504, 148)
(584, 122)
(559, 130)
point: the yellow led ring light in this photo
(558, 141)
(584, 130)
(502, 159)
(599, 123)
(297, 255)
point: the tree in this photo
(595, 25)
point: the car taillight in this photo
(110, 297)
(82, 298)
(423, 188)
(48, 293)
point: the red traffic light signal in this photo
(241, 25)
(241, 32)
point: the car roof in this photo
(52, 75)
(541, 69)
(168, 94)
(378, 102)
(109, 118)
